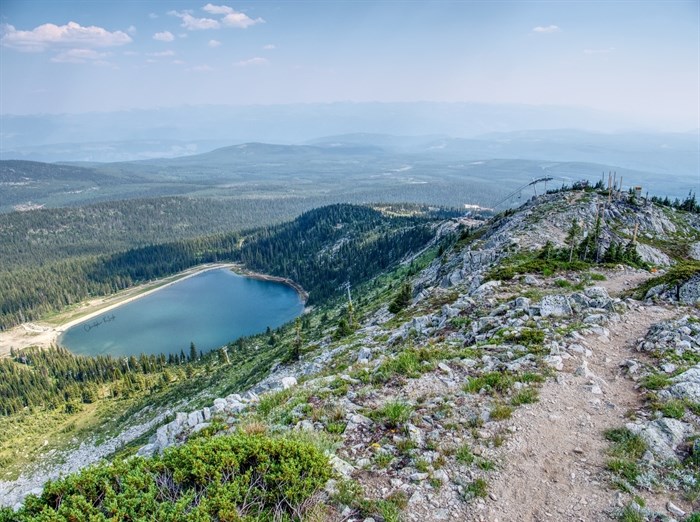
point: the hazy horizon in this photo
(637, 61)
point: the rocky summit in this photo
(545, 367)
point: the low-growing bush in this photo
(232, 477)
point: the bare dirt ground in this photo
(554, 464)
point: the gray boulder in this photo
(555, 306)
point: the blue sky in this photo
(635, 58)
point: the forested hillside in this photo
(320, 250)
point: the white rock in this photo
(555, 361)
(288, 382)
(555, 306)
(194, 418)
(340, 466)
(675, 510)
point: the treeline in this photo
(44, 235)
(321, 249)
(326, 247)
(55, 378)
(689, 204)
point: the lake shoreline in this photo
(46, 333)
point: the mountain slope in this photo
(422, 408)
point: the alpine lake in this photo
(209, 309)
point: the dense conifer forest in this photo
(320, 250)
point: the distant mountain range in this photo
(168, 132)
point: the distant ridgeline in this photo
(320, 250)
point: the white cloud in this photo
(130, 53)
(152, 16)
(217, 9)
(252, 61)
(598, 51)
(232, 18)
(80, 56)
(131, 29)
(269, 47)
(240, 20)
(162, 53)
(214, 43)
(547, 29)
(165, 36)
(48, 36)
(178, 62)
(192, 23)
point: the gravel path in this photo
(554, 462)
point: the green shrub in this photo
(222, 478)
(676, 276)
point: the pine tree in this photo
(402, 299)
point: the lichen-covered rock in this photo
(687, 384)
(662, 436)
(689, 293)
(555, 306)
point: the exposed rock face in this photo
(675, 337)
(652, 255)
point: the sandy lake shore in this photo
(46, 333)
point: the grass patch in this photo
(673, 408)
(626, 450)
(625, 443)
(393, 414)
(525, 396)
(501, 412)
(464, 455)
(492, 382)
(630, 514)
(656, 381)
(477, 489)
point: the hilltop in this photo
(543, 364)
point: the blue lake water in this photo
(210, 309)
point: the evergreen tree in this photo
(402, 299)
